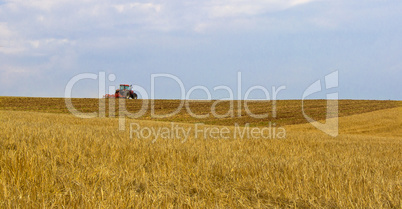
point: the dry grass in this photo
(57, 160)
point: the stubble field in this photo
(50, 158)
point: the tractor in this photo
(125, 91)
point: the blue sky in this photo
(292, 43)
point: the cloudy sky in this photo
(292, 43)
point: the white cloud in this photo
(138, 6)
(45, 5)
(12, 73)
(50, 43)
(299, 2)
(5, 32)
(97, 18)
(228, 8)
(241, 15)
(8, 40)
(13, 70)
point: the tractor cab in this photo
(124, 87)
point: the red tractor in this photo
(125, 91)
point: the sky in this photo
(44, 44)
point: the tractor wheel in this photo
(128, 96)
(134, 96)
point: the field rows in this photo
(287, 111)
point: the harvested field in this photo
(287, 111)
(52, 159)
